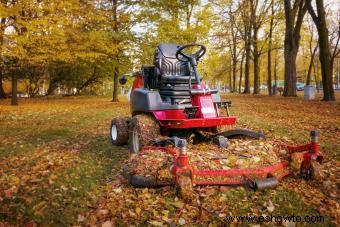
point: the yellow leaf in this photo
(138, 211)
(156, 223)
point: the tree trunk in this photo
(234, 74)
(230, 76)
(188, 12)
(256, 56)
(316, 74)
(234, 52)
(256, 74)
(93, 79)
(290, 72)
(269, 72)
(247, 69)
(247, 28)
(275, 70)
(2, 92)
(293, 21)
(269, 54)
(326, 67)
(256, 71)
(115, 84)
(309, 72)
(52, 86)
(14, 100)
(241, 74)
(2, 30)
(324, 49)
(116, 57)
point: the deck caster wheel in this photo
(184, 188)
(143, 130)
(297, 160)
(119, 131)
(317, 171)
(313, 172)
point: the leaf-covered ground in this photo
(58, 167)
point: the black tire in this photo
(119, 131)
(317, 171)
(143, 130)
(314, 172)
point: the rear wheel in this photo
(119, 131)
(144, 129)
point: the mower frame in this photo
(259, 178)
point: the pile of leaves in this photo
(240, 154)
(153, 164)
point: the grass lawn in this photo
(58, 167)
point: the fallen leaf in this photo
(138, 211)
(270, 206)
(181, 221)
(156, 223)
(107, 224)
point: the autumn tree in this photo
(77, 36)
(33, 39)
(325, 55)
(294, 14)
(234, 43)
(4, 20)
(312, 52)
(174, 21)
(273, 41)
(247, 38)
(259, 12)
(117, 25)
(229, 38)
(3, 25)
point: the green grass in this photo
(79, 181)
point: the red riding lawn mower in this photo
(170, 105)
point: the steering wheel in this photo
(186, 58)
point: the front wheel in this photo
(144, 129)
(119, 131)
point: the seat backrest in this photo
(167, 64)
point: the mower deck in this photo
(184, 165)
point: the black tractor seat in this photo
(173, 75)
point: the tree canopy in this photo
(75, 45)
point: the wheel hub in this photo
(114, 132)
(135, 139)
